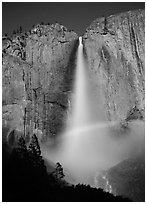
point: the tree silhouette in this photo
(21, 147)
(59, 171)
(24, 182)
(26, 178)
(34, 146)
(35, 152)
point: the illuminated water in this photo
(86, 108)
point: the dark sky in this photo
(73, 15)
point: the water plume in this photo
(90, 144)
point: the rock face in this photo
(126, 179)
(37, 77)
(115, 52)
(38, 70)
(114, 48)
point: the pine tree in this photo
(59, 171)
(21, 147)
(34, 146)
(35, 152)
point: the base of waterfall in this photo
(84, 152)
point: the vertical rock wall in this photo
(37, 77)
(38, 69)
(115, 52)
(115, 48)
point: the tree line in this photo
(25, 178)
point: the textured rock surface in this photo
(38, 69)
(37, 77)
(115, 52)
(114, 48)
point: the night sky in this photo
(73, 15)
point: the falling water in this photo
(82, 113)
(90, 144)
(86, 109)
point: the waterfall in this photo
(87, 110)
(80, 113)
(86, 115)
(90, 144)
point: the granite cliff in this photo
(37, 77)
(38, 71)
(115, 52)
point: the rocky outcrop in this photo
(37, 77)
(114, 48)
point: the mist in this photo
(90, 144)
